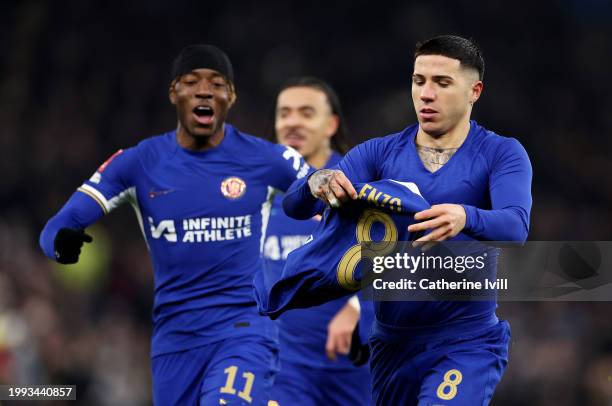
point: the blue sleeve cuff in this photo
(470, 216)
(299, 203)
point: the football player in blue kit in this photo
(202, 195)
(479, 186)
(313, 342)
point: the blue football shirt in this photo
(489, 175)
(203, 216)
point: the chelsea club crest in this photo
(233, 187)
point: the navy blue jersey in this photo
(303, 332)
(489, 175)
(203, 216)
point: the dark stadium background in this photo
(79, 79)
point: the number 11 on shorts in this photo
(245, 393)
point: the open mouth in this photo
(294, 139)
(203, 114)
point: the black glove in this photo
(68, 243)
(359, 353)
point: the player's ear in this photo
(476, 91)
(232, 94)
(332, 125)
(172, 92)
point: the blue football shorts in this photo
(460, 369)
(303, 385)
(236, 371)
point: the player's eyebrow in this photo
(301, 108)
(442, 77)
(205, 75)
(216, 75)
(435, 77)
(191, 74)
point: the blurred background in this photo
(81, 79)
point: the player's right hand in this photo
(68, 243)
(340, 331)
(332, 186)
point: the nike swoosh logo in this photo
(155, 193)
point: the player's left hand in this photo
(340, 331)
(444, 220)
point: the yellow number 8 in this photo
(449, 383)
(348, 263)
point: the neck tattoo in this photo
(435, 158)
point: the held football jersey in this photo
(489, 175)
(303, 332)
(203, 216)
(325, 268)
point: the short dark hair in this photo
(338, 141)
(455, 47)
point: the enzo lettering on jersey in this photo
(207, 229)
(380, 199)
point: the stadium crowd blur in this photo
(81, 80)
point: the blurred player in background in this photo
(202, 195)
(313, 342)
(479, 185)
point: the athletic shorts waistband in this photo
(459, 328)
